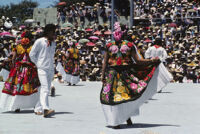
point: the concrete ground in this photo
(78, 111)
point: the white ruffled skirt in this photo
(11, 103)
(4, 73)
(67, 77)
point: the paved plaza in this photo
(78, 111)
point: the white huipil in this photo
(154, 51)
(161, 53)
(42, 55)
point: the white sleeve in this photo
(34, 51)
(148, 53)
(164, 55)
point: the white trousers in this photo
(45, 77)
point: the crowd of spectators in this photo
(174, 21)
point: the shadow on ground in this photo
(64, 113)
(21, 112)
(165, 92)
(143, 125)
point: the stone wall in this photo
(45, 15)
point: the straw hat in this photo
(95, 49)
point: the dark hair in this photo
(28, 35)
(48, 28)
(158, 41)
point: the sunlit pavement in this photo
(78, 111)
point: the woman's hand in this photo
(155, 60)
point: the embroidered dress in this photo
(70, 66)
(127, 85)
(22, 83)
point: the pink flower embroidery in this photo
(107, 97)
(142, 84)
(110, 76)
(117, 35)
(114, 49)
(7, 85)
(107, 88)
(133, 86)
(140, 89)
(124, 49)
(135, 79)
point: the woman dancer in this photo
(20, 89)
(70, 65)
(126, 86)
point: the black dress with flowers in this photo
(71, 64)
(125, 81)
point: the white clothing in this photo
(8, 24)
(11, 103)
(118, 114)
(45, 77)
(67, 77)
(153, 52)
(4, 73)
(43, 55)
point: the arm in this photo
(14, 57)
(105, 61)
(148, 53)
(140, 61)
(164, 55)
(34, 51)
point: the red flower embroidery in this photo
(119, 61)
(146, 78)
(130, 44)
(149, 75)
(109, 44)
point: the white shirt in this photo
(43, 55)
(153, 52)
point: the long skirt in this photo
(11, 103)
(73, 79)
(4, 73)
(20, 89)
(126, 89)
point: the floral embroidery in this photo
(107, 88)
(130, 44)
(119, 61)
(25, 41)
(124, 49)
(108, 45)
(133, 86)
(114, 49)
(124, 83)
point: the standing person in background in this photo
(42, 54)
(156, 51)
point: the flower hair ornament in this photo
(25, 41)
(117, 34)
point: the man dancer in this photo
(42, 54)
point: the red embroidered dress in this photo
(125, 81)
(23, 78)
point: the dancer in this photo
(20, 89)
(70, 68)
(126, 86)
(42, 54)
(157, 51)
